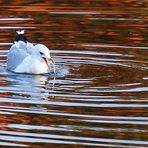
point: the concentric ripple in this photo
(98, 96)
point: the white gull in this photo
(24, 57)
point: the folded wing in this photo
(16, 55)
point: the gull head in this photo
(44, 53)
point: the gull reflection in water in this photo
(34, 87)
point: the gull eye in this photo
(41, 53)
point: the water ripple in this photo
(51, 138)
(98, 96)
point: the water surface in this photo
(98, 97)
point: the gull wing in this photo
(16, 55)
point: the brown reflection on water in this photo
(103, 44)
(58, 21)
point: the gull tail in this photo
(20, 32)
(21, 36)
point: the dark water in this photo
(99, 96)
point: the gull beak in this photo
(47, 62)
(51, 61)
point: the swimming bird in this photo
(24, 57)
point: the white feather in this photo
(20, 32)
(27, 58)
